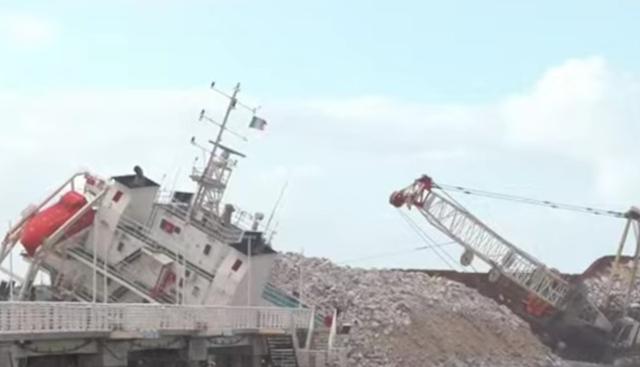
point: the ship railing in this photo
(226, 233)
(166, 198)
(246, 220)
(144, 232)
(242, 219)
(281, 298)
(167, 246)
(19, 318)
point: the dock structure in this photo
(118, 335)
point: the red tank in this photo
(47, 221)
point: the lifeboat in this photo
(47, 221)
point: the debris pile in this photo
(408, 319)
(608, 289)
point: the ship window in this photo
(120, 246)
(187, 273)
(207, 249)
(196, 291)
(117, 196)
(236, 265)
(167, 226)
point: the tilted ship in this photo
(124, 240)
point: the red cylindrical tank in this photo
(47, 221)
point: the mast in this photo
(212, 180)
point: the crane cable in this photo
(427, 239)
(394, 253)
(525, 200)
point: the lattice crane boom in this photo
(505, 258)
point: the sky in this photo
(538, 99)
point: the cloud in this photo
(585, 111)
(581, 111)
(569, 137)
(27, 30)
(368, 123)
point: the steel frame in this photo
(461, 226)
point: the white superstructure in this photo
(146, 245)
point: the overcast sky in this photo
(539, 100)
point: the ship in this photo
(141, 275)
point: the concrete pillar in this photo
(7, 357)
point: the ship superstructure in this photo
(124, 240)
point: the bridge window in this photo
(207, 249)
(120, 246)
(196, 292)
(117, 196)
(169, 227)
(236, 265)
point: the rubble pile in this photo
(598, 285)
(411, 319)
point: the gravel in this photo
(407, 319)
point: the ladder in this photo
(282, 351)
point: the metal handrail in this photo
(168, 247)
(281, 298)
(60, 317)
(239, 217)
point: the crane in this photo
(506, 259)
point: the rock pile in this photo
(411, 319)
(598, 289)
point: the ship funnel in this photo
(139, 179)
(228, 212)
